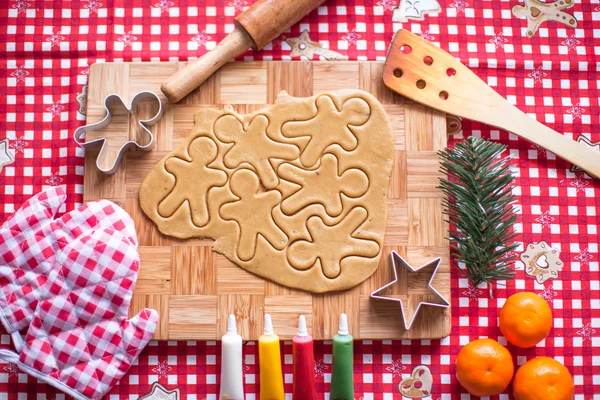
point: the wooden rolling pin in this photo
(254, 28)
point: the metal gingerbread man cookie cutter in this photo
(102, 142)
(397, 259)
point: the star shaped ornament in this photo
(159, 392)
(304, 46)
(409, 309)
(6, 157)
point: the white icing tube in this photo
(232, 382)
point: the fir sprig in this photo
(479, 203)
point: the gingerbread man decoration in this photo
(250, 212)
(331, 244)
(324, 186)
(252, 145)
(193, 188)
(537, 12)
(337, 123)
(6, 157)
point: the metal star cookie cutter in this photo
(396, 258)
(102, 142)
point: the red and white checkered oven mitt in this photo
(69, 280)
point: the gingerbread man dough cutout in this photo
(324, 186)
(193, 188)
(249, 213)
(537, 12)
(336, 123)
(332, 212)
(331, 244)
(252, 145)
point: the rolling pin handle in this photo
(195, 73)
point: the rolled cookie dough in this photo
(295, 193)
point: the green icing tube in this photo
(342, 374)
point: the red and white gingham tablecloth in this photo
(47, 46)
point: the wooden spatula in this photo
(422, 72)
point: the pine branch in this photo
(479, 205)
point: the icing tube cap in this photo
(302, 331)
(268, 330)
(231, 327)
(343, 330)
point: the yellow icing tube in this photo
(232, 383)
(269, 357)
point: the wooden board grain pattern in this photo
(194, 288)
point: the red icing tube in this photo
(304, 364)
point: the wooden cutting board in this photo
(194, 288)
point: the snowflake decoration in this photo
(245, 368)
(579, 183)
(127, 39)
(545, 219)
(537, 74)
(576, 111)
(351, 37)
(20, 73)
(55, 39)
(498, 40)
(162, 369)
(56, 108)
(396, 368)
(584, 256)
(548, 294)
(93, 6)
(387, 4)
(279, 40)
(54, 180)
(320, 367)
(472, 293)
(542, 152)
(597, 8)
(510, 254)
(164, 5)
(427, 36)
(238, 4)
(18, 145)
(460, 5)
(21, 6)
(201, 38)
(11, 369)
(586, 332)
(85, 70)
(571, 42)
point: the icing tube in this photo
(304, 364)
(269, 358)
(342, 374)
(232, 383)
